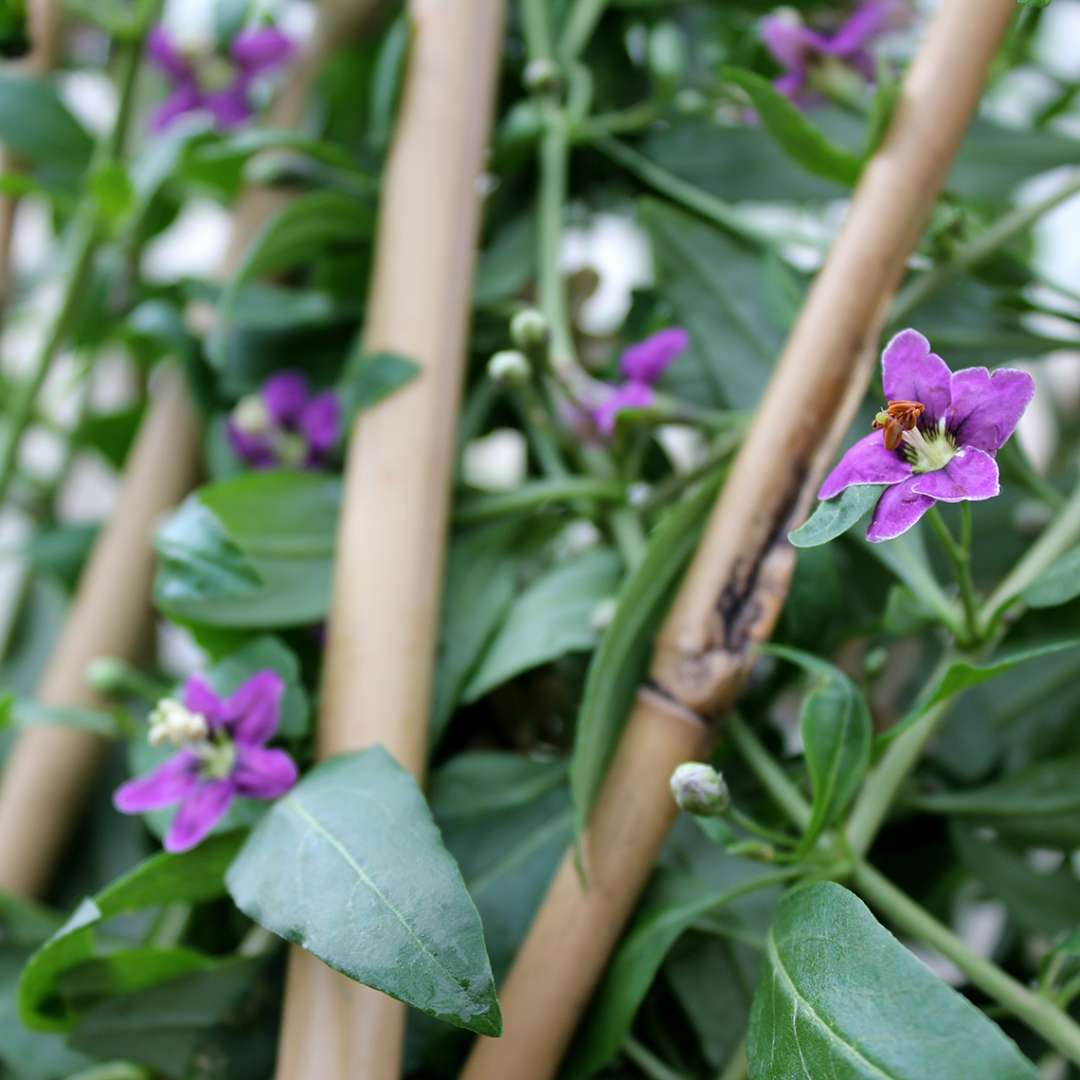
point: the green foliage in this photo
(833, 517)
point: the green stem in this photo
(737, 1066)
(1060, 535)
(1041, 1015)
(648, 1062)
(534, 18)
(748, 824)
(537, 495)
(766, 768)
(1000, 233)
(960, 556)
(584, 15)
(554, 162)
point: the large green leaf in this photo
(252, 550)
(795, 133)
(833, 517)
(836, 734)
(163, 879)
(716, 285)
(619, 663)
(552, 617)
(350, 866)
(840, 997)
(1057, 585)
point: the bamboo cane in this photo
(49, 768)
(377, 671)
(737, 582)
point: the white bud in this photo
(638, 493)
(699, 789)
(251, 416)
(529, 329)
(509, 368)
(171, 722)
(541, 75)
(603, 613)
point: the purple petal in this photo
(263, 774)
(163, 54)
(972, 474)
(911, 372)
(649, 359)
(286, 395)
(320, 422)
(186, 98)
(230, 108)
(867, 21)
(793, 86)
(899, 507)
(170, 781)
(986, 408)
(254, 449)
(200, 698)
(261, 49)
(200, 810)
(630, 395)
(254, 708)
(867, 462)
(786, 39)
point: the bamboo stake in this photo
(376, 683)
(737, 583)
(49, 768)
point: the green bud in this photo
(541, 76)
(667, 56)
(691, 102)
(699, 789)
(529, 329)
(509, 368)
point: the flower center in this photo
(213, 72)
(217, 757)
(171, 722)
(251, 416)
(290, 448)
(929, 451)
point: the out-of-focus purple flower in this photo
(798, 49)
(946, 428)
(207, 80)
(285, 424)
(641, 365)
(222, 754)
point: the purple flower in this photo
(285, 424)
(206, 80)
(642, 365)
(798, 49)
(223, 754)
(946, 428)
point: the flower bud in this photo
(251, 415)
(509, 368)
(667, 56)
(699, 789)
(529, 329)
(603, 613)
(541, 76)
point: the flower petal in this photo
(261, 773)
(321, 422)
(253, 449)
(871, 18)
(261, 49)
(897, 510)
(971, 474)
(911, 372)
(186, 98)
(630, 395)
(199, 812)
(649, 359)
(200, 698)
(230, 108)
(867, 462)
(285, 395)
(786, 38)
(163, 54)
(170, 781)
(253, 709)
(986, 408)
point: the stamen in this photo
(171, 722)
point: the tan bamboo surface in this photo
(737, 582)
(376, 685)
(48, 771)
(44, 29)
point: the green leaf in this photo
(254, 140)
(370, 377)
(836, 734)
(35, 124)
(252, 550)
(1057, 585)
(675, 902)
(789, 126)
(886, 95)
(619, 663)
(833, 517)
(716, 285)
(355, 836)
(840, 997)
(29, 713)
(163, 879)
(552, 617)
(112, 190)
(1039, 805)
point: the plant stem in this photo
(536, 495)
(534, 20)
(648, 1062)
(1060, 535)
(736, 1067)
(1041, 1015)
(765, 767)
(960, 557)
(554, 161)
(1000, 233)
(584, 15)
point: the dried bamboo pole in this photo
(49, 768)
(738, 580)
(377, 671)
